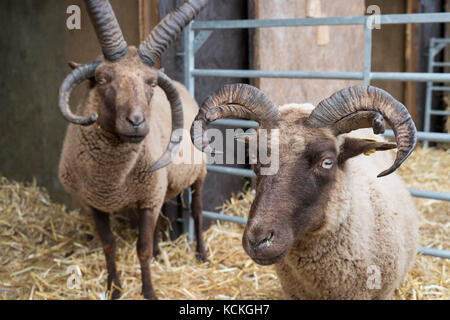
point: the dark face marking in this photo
(285, 206)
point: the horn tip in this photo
(387, 172)
(91, 120)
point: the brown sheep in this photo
(131, 157)
(331, 228)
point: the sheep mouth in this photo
(132, 138)
(269, 261)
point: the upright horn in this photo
(168, 30)
(359, 107)
(107, 28)
(240, 101)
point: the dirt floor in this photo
(42, 244)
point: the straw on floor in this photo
(42, 245)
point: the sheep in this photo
(331, 228)
(121, 152)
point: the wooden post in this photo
(411, 61)
(148, 19)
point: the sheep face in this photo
(289, 205)
(124, 90)
(283, 209)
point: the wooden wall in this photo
(300, 49)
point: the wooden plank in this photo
(411, 60)
(254, 44)
(148, 19)
(313, 9)
(299, 49)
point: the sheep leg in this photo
(109, 247)
(147, 224)
(196, 208)
(156, 250)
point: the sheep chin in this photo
(269, 261)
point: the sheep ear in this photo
(73, 65)
(353, 147)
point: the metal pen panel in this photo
(192, 44)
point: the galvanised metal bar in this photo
(430, 136)
(232, 171)
(237, 123)
(410, 76)
(189, 82)
(439, 113)
(277, 74)
(250, 174)
(424, 136)
(188, 227)
(303, 22)
(394, 76)
(224, 217)
(189, 59)
(435, 252)
(430, 194)
(429, 91)
(201, 38)
(440, 88)
(441, 64)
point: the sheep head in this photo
(124, 78)
(312, 155)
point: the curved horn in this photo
(107, 29)
(168, 30)
(177, 122)
(76, 77)
(340, 109)
(240, 101)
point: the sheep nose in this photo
(261, 240)
(136, 120)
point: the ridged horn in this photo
(357, 107)
(107, 28)
(176, 136)
(241, 101)
(168, 29)
(75, 78)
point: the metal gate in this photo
(192, 43)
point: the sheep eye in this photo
(150, 82)
(327, 163)
(101, 81)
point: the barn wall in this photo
(388, 51)
(296, 48)
(35, 46)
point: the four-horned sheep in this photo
(126, 148)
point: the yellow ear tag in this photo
(369, 152)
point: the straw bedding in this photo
(41, 239)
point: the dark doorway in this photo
(225, 49)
